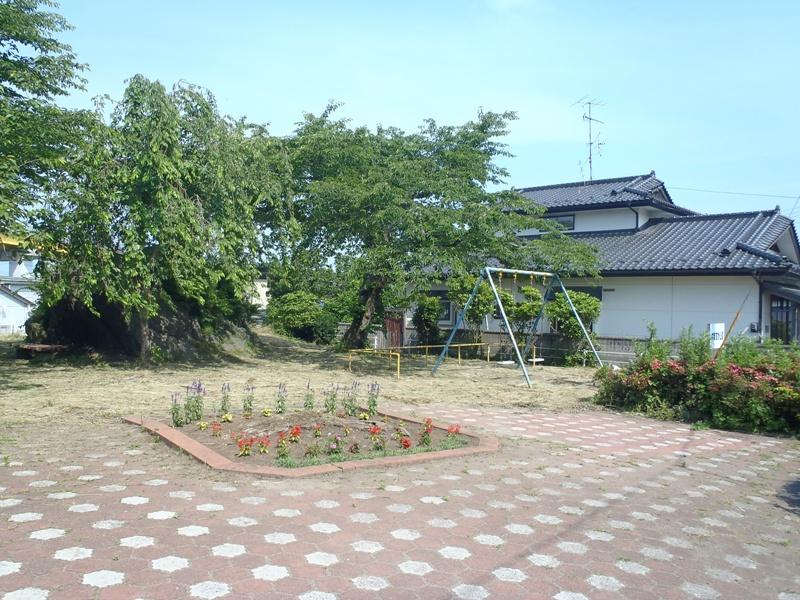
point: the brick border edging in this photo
(215, 460)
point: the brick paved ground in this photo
(574, 506)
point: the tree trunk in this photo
(144, 337)
(370, 297)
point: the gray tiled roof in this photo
(636, 190)
(724, 242)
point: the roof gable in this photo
(635, 190)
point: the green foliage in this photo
(460, 288)
(36, 136)
(745, 388)
(301, 315)
(563, 320)
(521, 313)
(410, 207)
(426, 320)
(159, 210)
(281, 397)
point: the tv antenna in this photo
(594, 142)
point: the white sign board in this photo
(716, 331)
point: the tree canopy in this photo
(159, 202)
(35, 134)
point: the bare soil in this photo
(85, 388)
(321, 437)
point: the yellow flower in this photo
(266, 412)
(202, 425)
(227, 418)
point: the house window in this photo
(565, 222)
(446, 315)
(783, 319)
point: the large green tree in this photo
(36, 136)
(158, 211)
(414, 208)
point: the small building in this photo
(18, 295)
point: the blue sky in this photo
(707, 94)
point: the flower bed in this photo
(285, 440)
(304, 438)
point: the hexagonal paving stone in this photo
(281, 538)
(605, 583)
(228, 550)
(544, 560)
(29, 593)
(137, 541)
(455, 553)
(47, 534)
(413, 567)
(8, 567)
(323, 559)
(366, 546)
(103, 579)
(270, 572)
(470, 592)
(169, 564)
(73, 553)
(408, 535)
(324, 527)
(370, 583)
(193, 530)
(209, 590)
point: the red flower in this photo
(375, 430)
(454, 429)
(405, 442)
(428, 425)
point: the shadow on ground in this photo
(790, 494)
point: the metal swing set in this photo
(553, 282)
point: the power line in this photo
(672, 187)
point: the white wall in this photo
(675, 303)
(607, 219)
(12, 316)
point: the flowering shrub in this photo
(744, 388)
(425, 436)
(350, 400)
(216, 429)
(375, 435)
(227, 418)
(294, 434)
(283, 445)
(317, 430)
(193, 407)
(335, 445)
(202, 425)
(405, 442)
(454, 430)
(329, 394)
(225, 403)
(247, 401)
(245, 443)
(373, 391)
(308, 398)
(176, 412)
(281, 395)
(263, 444)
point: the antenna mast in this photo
(593, 142)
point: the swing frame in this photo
(486, 273)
